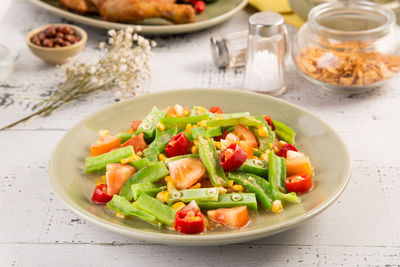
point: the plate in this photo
(317, 139)
(214, 14)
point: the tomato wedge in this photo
(270, 123)
(247, 139)
(137, 141)
(135, 125)
(186, 172)
(298, 166)
(104, 144)
(232, 157)
(117, 175)
(100, 195)
(236, 217)
(178, 145)
(189, 221)
(284, 149)
(299, 183)
(216, 110)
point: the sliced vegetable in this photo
(149, 124)
(216, 110)
(135, 125)
(208, 155)
(201, 131)
(117, 175)
(298, 166)
(182, 122)
(169, 160)
(299, 183)
(284, 149)
(269, 121)
(137, 141)
(178, 145)
(162, 212)
(189, 222)
(100, 195)
(207, 194)
(100, 162)
(255, 166)
(123, 137)
(186, 172)
(284, 132)
(244, 120)
(276, 171)
(152, 173)
(159, 143)
(104, 144)
(140, 164)
(124, 207)
(247, 139)
(232, 157)
(236, 217)
(264, 141)
(149, 188)
(230, 200)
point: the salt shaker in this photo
(267, 47)
(230, 50)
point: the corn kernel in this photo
(276, 206)
(200, 110)
(170, 186)
(139, 153)
(202, 123)
(186, 113)
(196, 142)
(219, 145)
(163, 196)
(217, 118)
(129, 131)
(222, 190)
(161, 126)
(167, 178)
(230, 183)
(198, 185)
(178, 205)
(162, 157)
(166, 196)
(127, 160)
(119, 215)
(237, 188)
(188, 128)
(262, 131)
(194, 149)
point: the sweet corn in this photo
(119, 215)
(200, 110)
(163, 196)
(194, 149)
(262, 131)
(170, 186)
(162, 157)
(186, 113)
(219, 145)
(198, 185)
(136, 157)
(129, 131)
(230, 183)
(238, 188)
(127, 160)
(178, 205)
(276, 206)
(167, 178)
(188, 128)
(210, 128)
(217, 118)
(222, 190)
(196, 142)
(139, 153)
(202, 123)
(161, 126)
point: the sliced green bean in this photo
(149, 188)
(284, 132)
(276, 171)
(162, 212)
(158, 145)
(201, 131)
(245, 120)
(140, 163)
(209, 194)
(231, 200)
(169, 160)
(255, 166)
(99, 163)
(265, 141)
(125, 136)
(181, 122)
(149, 124)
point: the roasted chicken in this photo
(133, 10)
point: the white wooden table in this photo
(362, 228)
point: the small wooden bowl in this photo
(57, 55)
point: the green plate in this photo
(319, 141)
(214, 14)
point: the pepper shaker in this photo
(229, 51)
(267, 47)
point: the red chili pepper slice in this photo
(135, 125)
(216, 110)
(189, 221)
(199, 6)
(299, 183)
(232, 157)
(223, 136)
(283, 151)
(178, 145)
(270, 123)
(100, 195)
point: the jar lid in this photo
(265, 24)
(220, 52)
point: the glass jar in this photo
(348, 46)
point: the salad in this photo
(195, 170)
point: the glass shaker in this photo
(267, 48)
(230, 51)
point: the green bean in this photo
(245, 120)
(276, 171)
(209, 157)
(265, 141)
(99, 163)
(125, 136)
(250, 184)
(158, 145)
(124, 207)
(162, 212)
(284, 132)
(140, 164)
(149, 124)
(181, 122)
(231, 200)
(255, 166)
(201, 131)
(152, 173)
(149, 188)
(169, 160)
(209, 194)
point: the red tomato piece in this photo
(199, 6)
(186, 172)
(137, 141)
(247, 139)
(117, 175)
(100, 195)
(135, 125)
(299, 183)
(284, 149)
(232, 157)
(236, 217)
(104, 144)
(216, 110)
(189, 221)
(178, 145)
(270, 123)
(298, 166)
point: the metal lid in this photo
(220, 52)
(265, 24)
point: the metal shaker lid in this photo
(265, 24)
(220, 52)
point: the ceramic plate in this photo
(215, 13)
(319, 141)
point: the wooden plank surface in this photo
(36, 229)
